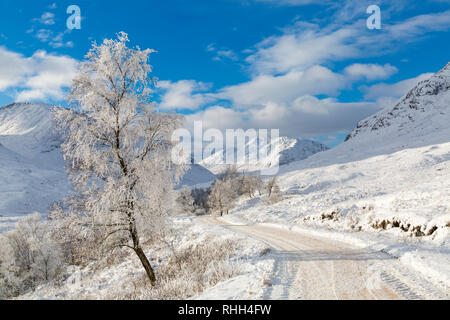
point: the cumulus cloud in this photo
(268, 88)
(183, 94)
(302, 47)
(39, 77)
(306, 116)
(305, 44)
(370, 71)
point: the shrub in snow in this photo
(28, 257)
(191, 270)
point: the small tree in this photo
(230, 173)
(270, 185)
(200, 196)
(273, 190)
(185, 200)
(117, 148)
(251, 184)
(222, 197)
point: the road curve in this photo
(311, 268)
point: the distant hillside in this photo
(281, 152)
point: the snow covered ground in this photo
(120, 281)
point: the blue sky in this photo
(309, 69)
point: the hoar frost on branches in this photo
(28, 257)
(118, 148)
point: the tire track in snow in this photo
(312, 268)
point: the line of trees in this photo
(222, 196)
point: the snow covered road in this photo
(312, 268)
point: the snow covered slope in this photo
(423, 111)
(282, 151)
(196, 175)
(27, 129)
(31, 166)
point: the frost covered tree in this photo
(252, 183)
(273, 190)
(118, 148)
(222, 197)
(185, 200)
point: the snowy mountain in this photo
(423, 111)
(31, 166)
(32, 174)
(196, 175)
(282, 151)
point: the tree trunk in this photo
(146, 264)
(140, 253)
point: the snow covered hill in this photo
(282, 151)
(423, 111)
(198, 176)
(31, 166)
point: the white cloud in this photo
(55, 41)
(229, 54)
(211, 47)
(370, 71)
(47, 18)
(222, 53)
(304, 44)
(39, 77)
(302, 47)
(217, 117)
(183, 94)
(287, 73)
(394, 90)
(14, 68)
(307, 116)
(284, 88)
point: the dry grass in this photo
(188, 272)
